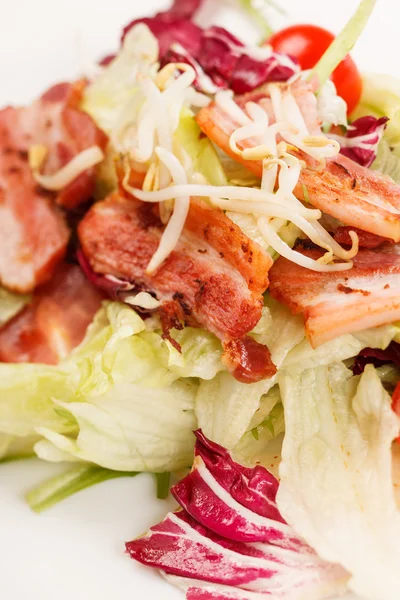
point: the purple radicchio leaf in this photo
(362, 139)
(174, 26)
(203, 83)
(214, 52)
(240, 564)
(231, 64)
(114, 287)
(377, 357)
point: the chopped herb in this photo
(163, 485)
(62, 486)
(306, 195)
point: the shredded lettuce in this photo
(202, 153)
(62, 486)
(344, 42)
(248, 224)
(336, 473)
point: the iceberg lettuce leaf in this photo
(26, 393)
(116, 397)
(202, 153)
(336, 473)
(225, 407)
(131, 428)
(114, 90)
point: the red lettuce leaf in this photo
(174, 26)
(362, 139)
(377, 357)
(203, 83)
(218, 53)
(183, 9)
(192, 553)
(254, 488)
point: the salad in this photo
(200, 279)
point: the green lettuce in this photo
(201, 151)
(26, 393)
(248, 224)
(130, 428)
(342, 348)
(336, 473)
(225, 407)
(11, 304)
(344, 42)
(124, 399)
(16, 448)
(262, 442)
(62, 486)
(114, 91)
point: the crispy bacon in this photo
(215, 277)
(247, 360)
(33, 234)
(55, 322)
(334, 303)
(349, 192)
(56, 122)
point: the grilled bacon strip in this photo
(55, 121)
(214, 277)
(33, 233)
(335, 303)
(353, 194)
(55, 322)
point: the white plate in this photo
(75, 550)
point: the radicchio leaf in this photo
(377, 357)
(178, 54)
(114, 287)
(230, 541)
(214, 52)
(362, 139)
(174, 26)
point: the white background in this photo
(75, 550)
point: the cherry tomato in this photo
(307, 43)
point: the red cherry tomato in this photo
(307, 43)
